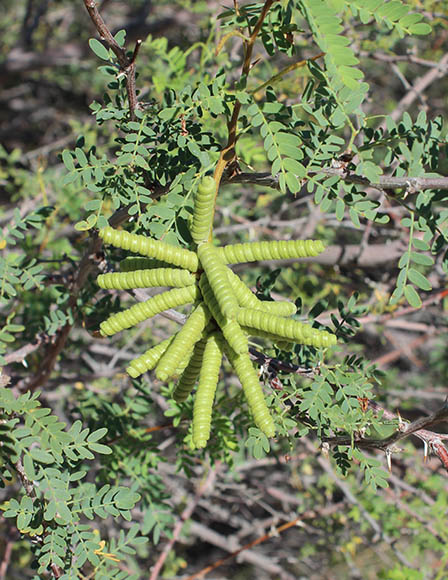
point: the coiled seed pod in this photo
(285, 329)
(138, 263)
(205, 394)
(190, 374)
(184, 340)
(151, 248)
(148, 360)
(247, 299)
(252, 390)
(203, 210)
(146, 279)
(142, 311)
(279, 308)
(217, 277)
(275, 250)
(230, 328)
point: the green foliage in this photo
(49, 457)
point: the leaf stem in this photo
(228, 152)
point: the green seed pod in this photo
(152, 248)
(279, 308)
(148, 360)
(276, 250)
(252, 389)
(137, 263)
(247, 299)
(146, 279)
(285, 329)
(155, 305)
(203, 210)
(230, 328)
(216, 273)
(205, 394)
(184, 340)
(189, 376)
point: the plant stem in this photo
(228, 152)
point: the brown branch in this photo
(344, 487)
(309, 514)
(435, 298)
(420, 85)
(410, 184)
(6, 559)
(127, 65)
(431, 440)
(87, 264)
(227, 155)
(31, 493)
(185, 515)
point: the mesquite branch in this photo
(228, 153)
(127, 65)
(409, 184)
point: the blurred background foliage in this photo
(352, 526)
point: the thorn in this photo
(401, 422)
(389, 459)
(425, 451)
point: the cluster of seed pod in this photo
(225, 311)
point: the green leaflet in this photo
(152, 248)
(246, 298)
(146, 279)
(279, 328)
(149, 359)
(328, 32)
(276, 250)
(184, 340)
(252, 389)
(190, 374)
(216, 273)
(155, 305)
(205, 394)
(203, 210)
(230, 328)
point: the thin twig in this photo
(410, 184)
(227, 155)
(6, 559)
(186, 515)
(309, 514)
(343, 486)
(420, 85)
(127, 65)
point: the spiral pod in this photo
(138, 263)
(216, 273)
(148, 360)
(247, 299)
(203, 210)
(285, 329)
(230, 328)
(151, 248)
(189, 377)
(274, 250)
(205, 394)
(279, 308)
(315, 338)
(146, 279)
(184, 340)
(252, 390)
(142, 311)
